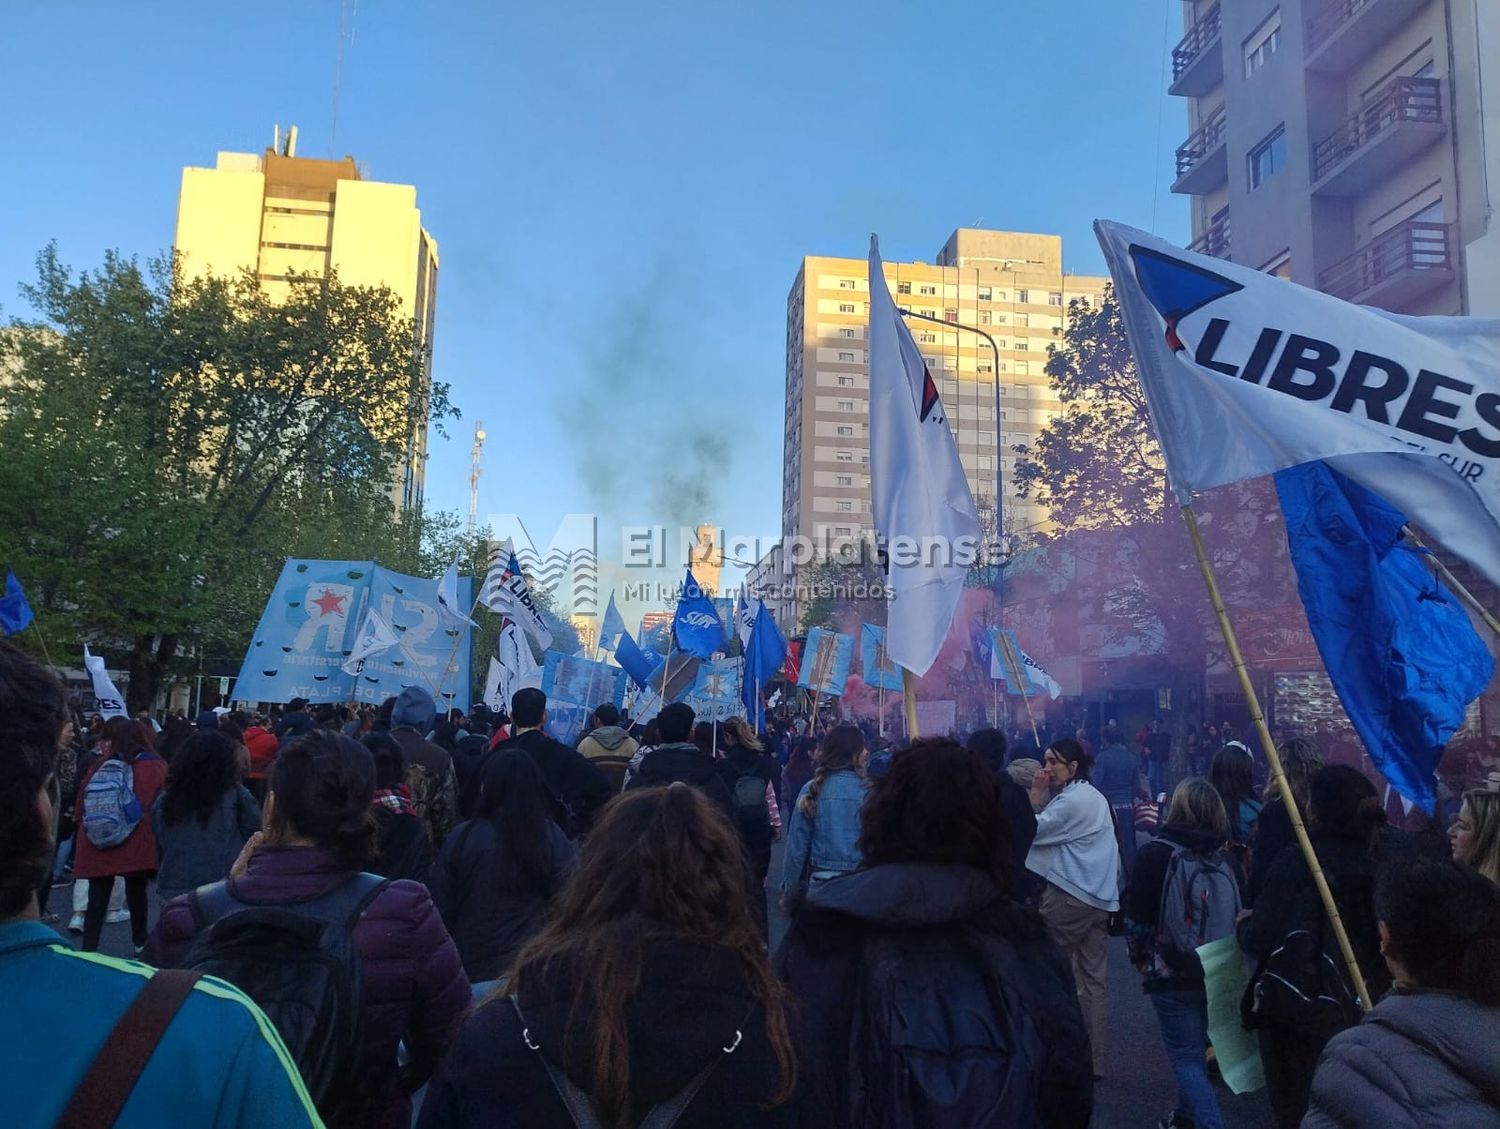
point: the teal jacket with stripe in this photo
(220, 1065)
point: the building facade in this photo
(1010, 285)
(275, 213)
(1343, 144)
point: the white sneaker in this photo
(116, 917)
(75, 923)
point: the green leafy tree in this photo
(169, 441)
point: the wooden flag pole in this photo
(1447, 577)
(1018, 676)
(1274, 759)
(909, 703)
(458, 641)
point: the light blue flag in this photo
(880, 673)
(571, 681)
(765, 651)
(1008, 662)
(716, 691)
(825, 662)
(1399, 649)
(696, 628)
(640, 666)
(310, 624)
(612, 627)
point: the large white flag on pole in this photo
(109, 701)
(1247, 374)
(919, 496)
(375, 638)
(447, 598)
(505, 592)
(518, 669)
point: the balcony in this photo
(1202, 163)
(1214, 241)
(1198, 61)
(1394, 267)
(1342, 32)
(1396, 124)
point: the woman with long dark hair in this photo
(204, 816)
(404, 850)
(318, 836)
(1232, 773)
(496, 872)
(822, 841)
(919, 976)
(649, 985)
(1301, 760)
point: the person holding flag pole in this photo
(918, 493)
(1247, 375)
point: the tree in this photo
(169, 441)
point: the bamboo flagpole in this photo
(1019, 677)
(909, 703)
(1237, 659)
(457, 642)
(1447, 577)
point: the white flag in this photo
(110, 702)
(375, 637)
(1035, 672)
(493, 697)
(919, 497)
(447, 598)
(505, 592)
(518, 669)
(744, 617)
(1247, 374)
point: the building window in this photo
(1022, 346)
(1023, 295)
(1054, 299)
(950, 314)
(864, 457)
(844, 479)
(843, 456)
(846, 307)
(986, 438)
(985, 366)
(846, 405)
(1020, 391)
(1023, 320)
(1280, 266)
(927, 338)
(984, 293)
(846, 356)
(844, 429)
(927, 290)
(986, 462)
(1263, 43)
(903, 288)
(1267, 158)
(847, 331)
(846, 284)
(844, 507)
(846, 381)
(842, 531)
(984, 317)
(930, 362)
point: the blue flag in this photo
(640, 666)
(764, 654)
(880, 672)
(696, 628)
(825, 662)
(15, 611)
(1399, 650)
(612, 627)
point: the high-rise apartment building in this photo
(1009, 284)
(274, 213)
(1344, 144)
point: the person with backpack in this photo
(346, 964)
(92, 1041)
(756, 780)
(115, 839)
(1301, 994)
(1232, 773)
(576, 789)
(1077, 853)
(822, 839)
(429, 767)
(647, 999)
(204, 816)
(497, 872)
(920, 969)
(403, 849)
(1185, 892)
(1428, 1055)
(1300, 761)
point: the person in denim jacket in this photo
(822, 841)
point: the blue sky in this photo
(621, 192)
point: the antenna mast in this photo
(475, 470)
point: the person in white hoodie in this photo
(1075, 851)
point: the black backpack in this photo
(939, 1041)
(1304, 983)
(750, 813)
(298, 962)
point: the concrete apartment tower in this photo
(1010, 284)
(275, 212)
(1349, 145)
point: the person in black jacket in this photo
(650, 979)
(496, 872)
(928, 929)
(1015, 802)
(403, 848)
(577, 789)
(678, 760)
(1301, 761)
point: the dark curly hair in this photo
(33, 710)
(321, 789)
(938, 802)
(204, 768)
(1444, 922)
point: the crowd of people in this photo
(395, 916)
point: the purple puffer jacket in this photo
(415, 989)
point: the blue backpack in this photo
(111, 812)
